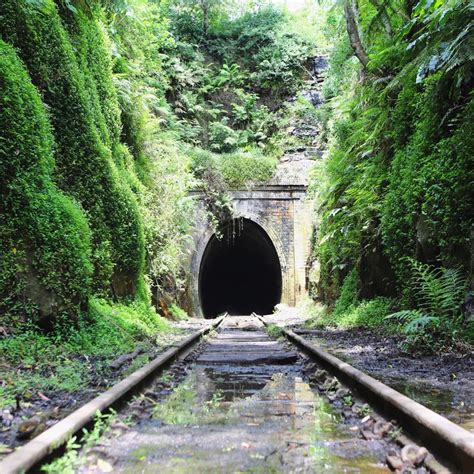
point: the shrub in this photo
(365, 313)
(245, 168)
(439, 294)
(348, 296)
(241, 168)
(177, 313)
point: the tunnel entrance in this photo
(240, 273)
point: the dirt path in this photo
(243, 405)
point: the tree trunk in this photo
(350, 12)
(205, 13)
(384, 17)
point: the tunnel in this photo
(240, 271)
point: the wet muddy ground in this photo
(244, 403)
(442, 382)
(36, 411)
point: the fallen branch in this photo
(117, 363)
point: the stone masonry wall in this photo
(285, 215)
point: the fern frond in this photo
(405, 316)
(420, 324)
(439, 291)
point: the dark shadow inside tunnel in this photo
(240, 272)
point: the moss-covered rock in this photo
(84, 116)
(45, 243)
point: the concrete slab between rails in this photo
(33, 452)
(228, 348)
(452, 443)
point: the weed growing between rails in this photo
(70, 461)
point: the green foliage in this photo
(82, 113)
(67, 463)
(166, 208)
(58, 361)
(349, 294)
(222, 138)
(178, 313)
(428, 190)
(246, 168)
(274, 331)
(439, 294)
(397, 179)
(445, 38)
(45, 239)
(366, 313)
(70, 460)
(234, 169)
(359, 314)
(228, 76)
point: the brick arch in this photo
(286, 218)
(205, 236)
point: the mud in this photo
(39, 411)
(442, 382)
(233, 414)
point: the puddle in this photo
(442, 401)
(244, 418)
(416, 379)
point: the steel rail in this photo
(44, 445)
(452, 443)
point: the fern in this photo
(421, 324)
(405, 316)
(414, 320)
(439, 294)
(439, 291)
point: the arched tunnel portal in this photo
(240, 272)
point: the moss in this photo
(91, 44)
(45, 239)
(85, 130)
(428, 207)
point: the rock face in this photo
(296, 164)
(295, 168)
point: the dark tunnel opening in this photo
(240, 273)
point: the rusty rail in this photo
(38, 449)
(454, 444)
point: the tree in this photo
(351, 13)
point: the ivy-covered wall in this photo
(71, 126)
(398, 179)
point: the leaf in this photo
(420, 324)
(43, 397)
(404, 316)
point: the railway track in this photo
(241, 401)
